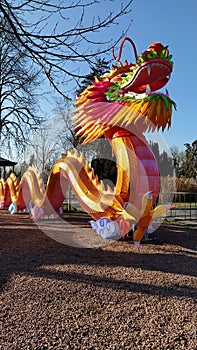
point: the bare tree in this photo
(42, 150)
(67, 138)
(37, 28)
(18, 97)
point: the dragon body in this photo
(120, 106)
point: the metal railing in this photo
(183, 205)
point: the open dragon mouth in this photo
(145, 77)
(148, 78)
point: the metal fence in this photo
(183, 205)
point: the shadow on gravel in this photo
(26, 251)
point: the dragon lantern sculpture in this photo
(120, 105)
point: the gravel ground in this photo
(59, 297)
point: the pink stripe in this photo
(148, 172)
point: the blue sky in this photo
(173, 23)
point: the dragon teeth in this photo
(149, 69)
(148, 89)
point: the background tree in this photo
(101, 66)
(155, 148)
(67, 138)
(177, 157)
(164, 160)
(42, 150)
(166, 164)
(60, 35)
(18, 86)
(188, 167)
(185, 162)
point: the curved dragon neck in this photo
(136, 166)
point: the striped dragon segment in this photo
(148, 179)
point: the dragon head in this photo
(128, 95)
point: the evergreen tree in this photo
(189, 165)
(155, 148)
(165, 162)
(100, 67)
